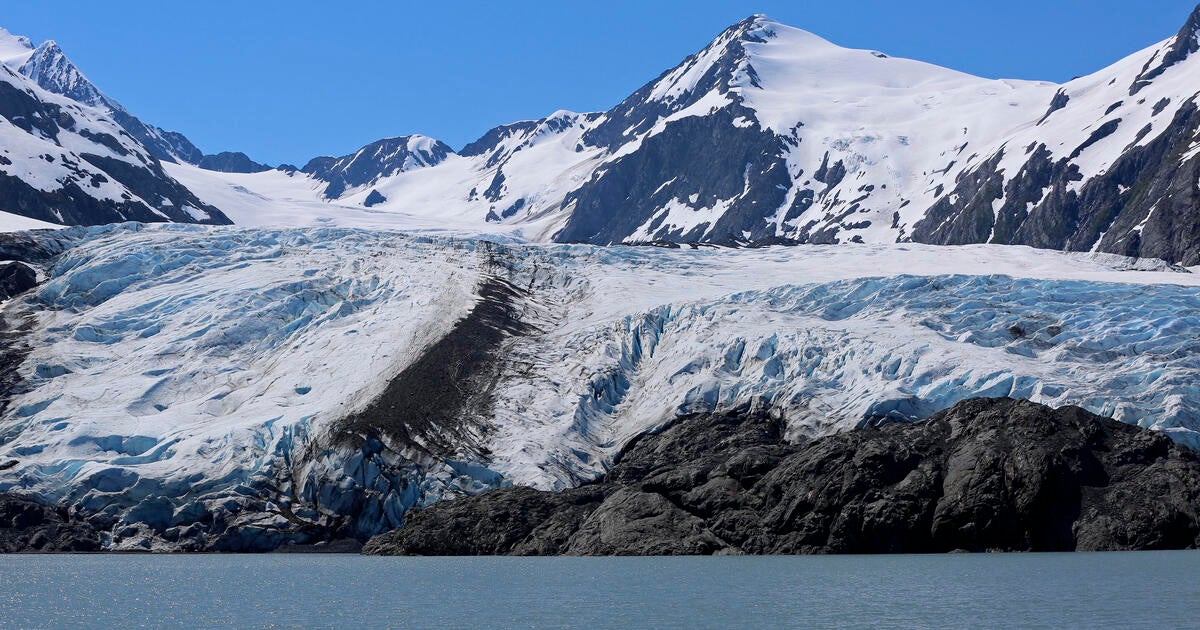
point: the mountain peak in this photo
(758, 20)
(50, 68)
(757, 29)
(1187, 41)
(1180, 47)
(708, 79)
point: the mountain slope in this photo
(1112, 166)
(772, 132)
(49, 67)
(840, 145)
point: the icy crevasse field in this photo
(189, 383)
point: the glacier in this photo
(220, 388)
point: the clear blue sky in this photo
(285, 81)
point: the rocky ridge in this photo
(985, 475)
(26, 525)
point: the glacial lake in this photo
(1033, 590)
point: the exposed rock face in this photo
(709, 159)
(986, 475)
(1145, 205)
(375, 161)
(722, 161)
(1182, 46)
(232, 162)
(16, 278)
(374, 198)
(26, 525)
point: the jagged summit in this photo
(702, 81)
(50, 67)
(1177, 49)
(749, 28)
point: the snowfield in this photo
(190, 383)
(10, 222)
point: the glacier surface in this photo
(190, 384)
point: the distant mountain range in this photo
(768, 135)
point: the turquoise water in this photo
(1052, 590)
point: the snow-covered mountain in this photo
(385, 158)
(63, 161)
(772, 134)
(50, 67)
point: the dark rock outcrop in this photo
(16, 278)
(374, 198)
(696, 161)
(26, 525)
(231, 162)
(375, 161)
(1145, 204)
(986, 475)
(1186, 42)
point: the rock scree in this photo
(985, 475)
